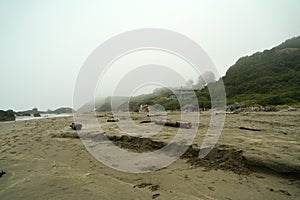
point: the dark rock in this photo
(76, 126)
(7, 115)
(23, 114)
(112, 120)
(36, 114)
(2, 173)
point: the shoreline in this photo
(43, 116)
(44, 159)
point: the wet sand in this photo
(45, 159)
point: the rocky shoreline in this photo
(11, 115)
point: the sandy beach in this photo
(45, 159)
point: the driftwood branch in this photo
(174, 124)
(145, 121)
(157, 114)
(112, 120)
(249, 129)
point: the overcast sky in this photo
(43, 44)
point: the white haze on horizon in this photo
(45, 43)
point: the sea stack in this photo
(36, 112)
(7, 115)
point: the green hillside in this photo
(271, 77)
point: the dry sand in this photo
(43, 159)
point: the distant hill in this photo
(116, 101)
(62, 110)
(271, 77)
(91, 105)
(103, 104)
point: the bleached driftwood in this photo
(174, 123)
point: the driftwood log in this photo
(112, 120)
(145, 121)
(76, 126)
(227, 113)
(174, 124)
(249, 129)
(157, 114)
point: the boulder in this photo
(23, 114)
(7, 115)
(76, 126)
(36, 113)
(2, 173)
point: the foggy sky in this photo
(43, 44)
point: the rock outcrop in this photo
(63, 110)
(7, 115)
(36, 113)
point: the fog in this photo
(45, 43)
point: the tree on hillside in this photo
(190, 83)
(206, 78)
(209, 77)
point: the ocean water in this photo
(19, 118)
